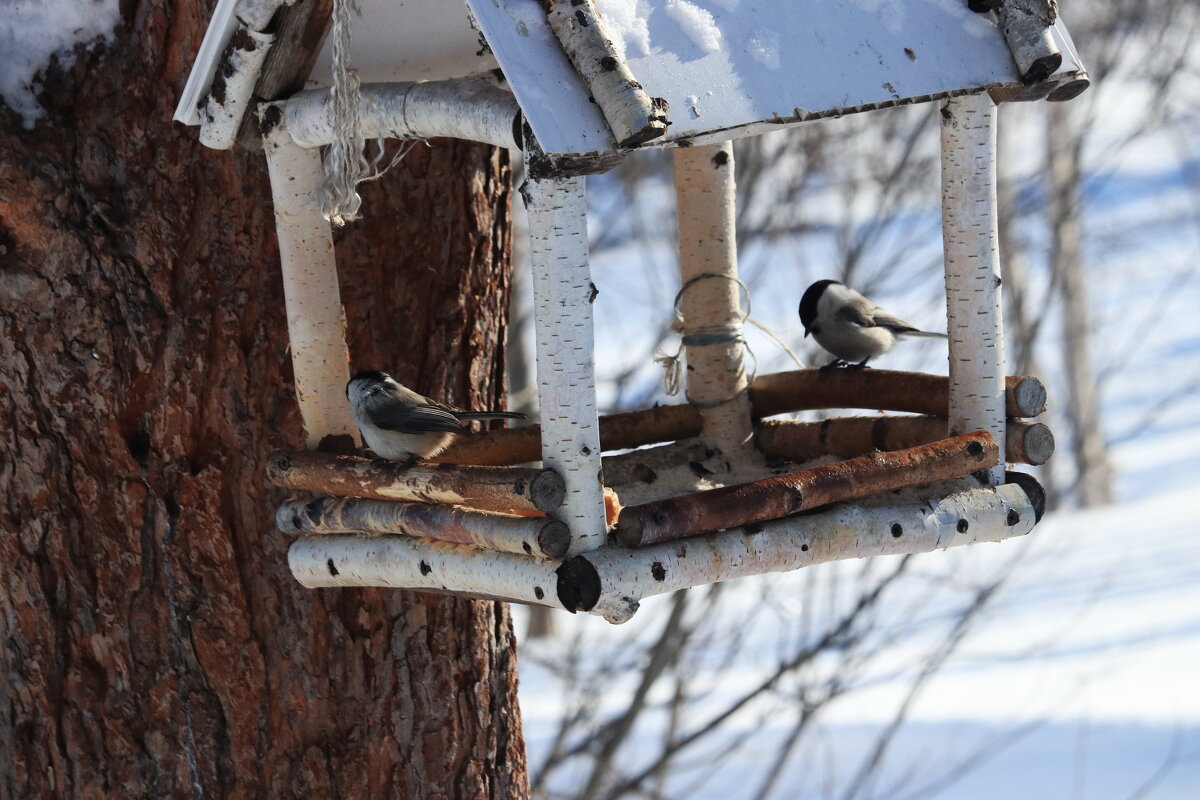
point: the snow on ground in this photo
(31, 31)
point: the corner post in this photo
(563, 295)
(316, 322)
(972, 260)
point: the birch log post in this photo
(501, 489)
(563, 294)
(1026, 25)
(537, 536)
(783, 495)
(847, 437)
(614, 576)
(471, 108)
(778, 393)
(316, 322)
(233, 87)
(972, 260)
(710, 296)
(633, 116)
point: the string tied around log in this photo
(707, 335)
(716, 334)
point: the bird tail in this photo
(925, 334)
(467, 416)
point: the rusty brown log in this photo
(912, 392)
(847, 437)
(778, 393)
(505, 489)
(783, 495)
(538, 536)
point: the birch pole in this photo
(972, 260)
(316, 322)
(233, 87)
(563, 294)
(710, 297)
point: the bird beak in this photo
(806, 333)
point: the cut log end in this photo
(628, 530)
(1033, 490)
(1069, 90)
(1042, 68)
(1038, 444)
(1028, 397)
(548, 490)
(554, 538)
(578, 584)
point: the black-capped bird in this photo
(852, 328)
(399, 424)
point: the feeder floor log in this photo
(781, 496)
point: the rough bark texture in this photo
(154, 642)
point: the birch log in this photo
(972, 259)
(401, 562)
(563, 293)
(537, 536)
(233, 87)
(783, 495)
(316, 322)
(710, 297)
(633, 116)
(1026, 25)
(472, 109)
(615, 576)
(847, 437)
(504, 489)
(778, 393)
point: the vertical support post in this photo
(711, 295)
(563, 293)
(971, 241)
(316, 322)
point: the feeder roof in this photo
(727, 68)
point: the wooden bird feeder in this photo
(725, 492)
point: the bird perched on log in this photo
(401, 425)
(852, 328)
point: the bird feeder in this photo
(724, 492)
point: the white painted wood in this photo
(972, 262)
(471, 108)
(550, 91)
(563, 294)
(773, 60)
(628, 110)
(705, 192)
(959, 516)
(316, 322)
(223, 116)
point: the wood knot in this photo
(608, 63)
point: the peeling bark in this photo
(155, 643)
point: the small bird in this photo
(852, 328)
(399, 424)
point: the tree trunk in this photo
(1093, 472)
(154, 643)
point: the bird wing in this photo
(886, 319)
(413, 419)
(856, 314)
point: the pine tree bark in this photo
(152, 641)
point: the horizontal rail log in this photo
(847, 437)
(614, 576)
(778, 393)
(504, 489)
(537, 536)
(784, 495)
